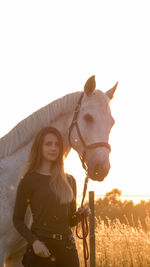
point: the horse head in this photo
(90, 129)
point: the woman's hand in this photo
(40, 249)
(84, 210)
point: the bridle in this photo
(75, 124)
(84, 222)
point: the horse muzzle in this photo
(98, 172)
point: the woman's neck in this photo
(45, 168)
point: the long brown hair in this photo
(58, 180)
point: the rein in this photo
(85, 227)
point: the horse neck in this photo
(52, 114)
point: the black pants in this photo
(63, 254)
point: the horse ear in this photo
(111, 92)
(90, 85)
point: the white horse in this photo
(86, 130)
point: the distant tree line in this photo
(126, 211)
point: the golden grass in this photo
(119, 245)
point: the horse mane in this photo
(25, 130)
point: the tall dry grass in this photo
(119, 245)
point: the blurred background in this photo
(50, 48)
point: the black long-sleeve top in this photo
(49, 216)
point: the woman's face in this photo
(50, 147)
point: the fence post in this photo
(92, 229)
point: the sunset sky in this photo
(50, 48)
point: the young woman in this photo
(51, 194)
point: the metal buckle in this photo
(57, 236)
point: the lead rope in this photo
(84, 225)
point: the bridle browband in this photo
(75, 123)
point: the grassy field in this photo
(120, 245)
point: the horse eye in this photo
(88, 118)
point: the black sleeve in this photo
(23, 197)
(74, 217)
